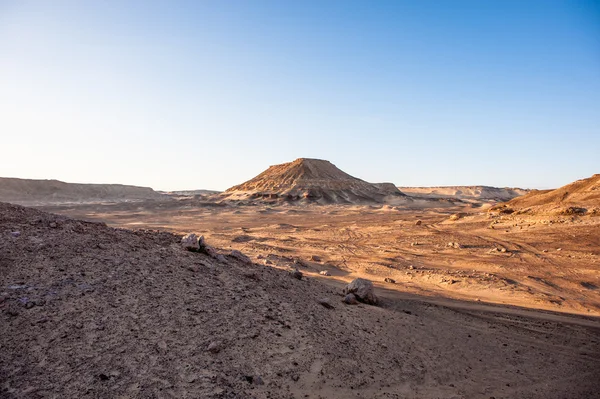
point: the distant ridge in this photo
(38, 192)
(311, 180)
(581, 196)
(478, 193)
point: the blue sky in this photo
(207, 94)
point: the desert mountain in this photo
(311, 180)
(581, 196)
(36, 192)
(466, 193)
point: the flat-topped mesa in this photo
(308, 179)
(37, 192)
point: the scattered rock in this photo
(390, 280)
(190, 242)
(324, 273)
(454, 245)
(258, 380)
(240, 256)
(214, 347)
(326, 303)
(418, 223)
(350, 299)
(363, 290)
(315, 258)
(457, 216)
(297, 274)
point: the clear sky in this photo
(207, 94)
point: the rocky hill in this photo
(41, 192)
(580, 197)
(311, 180)
(466, 193)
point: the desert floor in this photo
(536, 262)
(503, 314)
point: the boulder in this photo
(362, 290)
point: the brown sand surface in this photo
(539, 262)
(91, 311)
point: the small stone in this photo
(325, 302)
(324, 273)
(315, 258)
(268, 262)
(418, 223)
(390, 280)
(258, 380)
(53, 225)
(214, 347)
(297, 274)
(350, 299)
(15, 234)
(240, 256)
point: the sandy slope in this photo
(90, 311)
(582, 196)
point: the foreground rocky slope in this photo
(37, 192)
(89, 311)
(311, 180)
